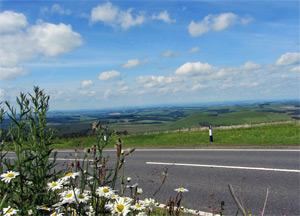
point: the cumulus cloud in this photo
(109, 75)
(11, 22)
(296, 69)
(152, 81)
(192, 68)
(56, 8)
(194, 49)
(131, 63)
(112, 15)
(215, 23)
(164, 16)
(45, 39)
(289, 58)
(86, 83)
(107, 93)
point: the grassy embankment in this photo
(277, 134)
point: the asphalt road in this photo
(201, 171)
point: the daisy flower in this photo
(81, 197)
(106, 192)
(68, 196)
(44, 208)
(138, 207)
(89, 210)
(6, 177)
(57, 214)
(181, 190)
(54, 185)
(114, 196)
(142, 214)
(121, 207)
(150, 203)
(70, 175)
(9, 211)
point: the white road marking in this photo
(225, 167)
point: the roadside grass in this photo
(277, 134)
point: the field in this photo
(159, 119)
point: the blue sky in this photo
(99, 54)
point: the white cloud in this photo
(198, 29)
(296, 69)
(54, 40)
(131, 63)
(112, 15)
(214, 22)
(11, 22)
(194, 49)
(152, 81)
(86, 83)
(223, 21)
(56, 8)
(164, 16)
(109, 75)
(289, 58)
(41, 39)
(250, 66)
(198, 86)
(168, 54)
(106, 13)
(106, 93)
(193, 68)
(9, 73)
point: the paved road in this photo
(204, 170)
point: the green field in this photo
(277, 134)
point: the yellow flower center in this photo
(54, 184)
(150, 203)
(69, 174)
(81, 196)
(120, 207)
(45, 207)
(105, 190)
(9, 211)
(10, 175)
(69, 195)
(138, 206)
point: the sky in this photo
(94, 54)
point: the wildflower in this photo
(7, 177)
(69, 175)
(138, 207)
(181, 190)
(114, 196)
(68, 196)
(106, 192)
(89, 210)
(121, 207)
(54, 186)
(81, 197)
(142, 214)
(57, 214)
(128, 179)
(44, 208)
(139, 190)
(150, 203)
(9, 211)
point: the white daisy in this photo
(44, 208)
(54, 185)
(81, 197)
(106, 192)
(57, 214)
(68, 196)
(89, 210)
(142, 214)
(138, 207)
(150, 203)
(6, 177)
(9, 211)
(121, 207)
(181, 190)
(70, 175)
